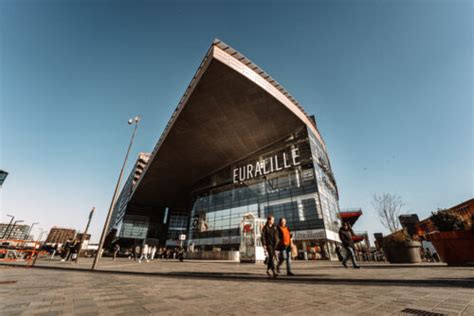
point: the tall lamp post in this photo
(13, 227)
(8, 226)
(31, 228)
(40, 235)
(85, 232)
(131, 121)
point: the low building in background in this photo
(59, 235)
(3, 176)
(17, 232)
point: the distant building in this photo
(59, 235)
(3, 176)
(18, 232)
(129, 226)
(83, 237)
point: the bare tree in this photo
(388, 207)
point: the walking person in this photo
(153, 252)
(150, 248)
(345, 235)
(284, 247)
(160, 253)
(66, 248)
(116, 250)
(136, 252)
(270, 241)
(54, 249)
(144, 255)
(181, 253)
(76, 250)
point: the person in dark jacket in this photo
(270, 241)
(345, 234)
(116, 250)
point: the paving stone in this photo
(224, 288)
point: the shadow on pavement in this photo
(299, 279)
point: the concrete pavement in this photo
(126, 287)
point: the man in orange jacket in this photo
(284, 247)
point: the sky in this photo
(390, 84)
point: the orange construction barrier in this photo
(20, 250)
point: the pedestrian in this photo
(153, 252)
(428, 255)
(270, 241)
(72, 247)
(76, 250)
(150, 248)
(160, 253)
(181, 253)
(136, 252)
(144, 255)
(54, 249)
(65, 250)
(116, 250)
(284, 247)
(345, 235)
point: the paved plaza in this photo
(125, 287)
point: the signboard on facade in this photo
(263, 167)
(309, 234)
(182, 237)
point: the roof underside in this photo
(224, 118)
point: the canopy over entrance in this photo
(230, 110)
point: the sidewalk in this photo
(209, 287)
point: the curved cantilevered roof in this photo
(230, 110)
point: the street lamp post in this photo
(135, 121)
(85, 233)
(40, 235)
(31, 228)
(8, 226)
(13, 227)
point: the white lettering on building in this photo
(266, 166)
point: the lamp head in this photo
(135, 119)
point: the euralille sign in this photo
(263, 167)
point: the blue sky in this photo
(390, 84)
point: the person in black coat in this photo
(270, 241)
(345, 234)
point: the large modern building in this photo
(237, 142)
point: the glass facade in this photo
(134, 226)
(287, 179)
(178, 224)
